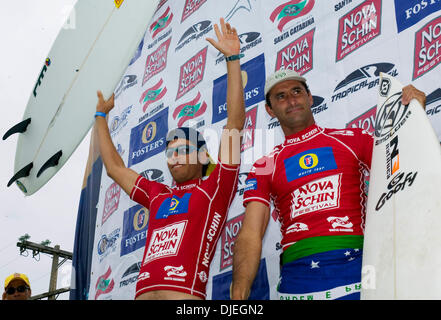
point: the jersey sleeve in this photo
(145, 190)
(258, 183)
(365, 147)
(222, 182)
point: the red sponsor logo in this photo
(291, 10)
(103, 284)
(190, 7)
(298, 55)
(427, 48)
(249, 129)
(192, 72)
(152, 95)
(111, 201)
(358, 27)
(366, 121)
(161, 23)
(229, 236)
(190, 110)
(156, 61)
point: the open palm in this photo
(227, 39)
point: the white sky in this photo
(27, 30)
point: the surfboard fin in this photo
(21, 174)
(18, 128)
(52, 162)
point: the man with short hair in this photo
(185, 222)
(316, 181)
(17, 287)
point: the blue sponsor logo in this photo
(250, 184)
(174, 205)
(259, 289)
(410, 12)
(309, 162)
(107, 243)
(253, 76)
(148, 138)
(134, 229)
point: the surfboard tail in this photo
(18, 128)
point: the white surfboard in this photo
(402, 244)
(89, 57)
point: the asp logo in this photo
(190, 110)
(309, 162)
(358, 27)
(289, 11)
(135, 225)
(148, 138)
(427, 48)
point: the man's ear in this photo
(203, 157)
(269, 110)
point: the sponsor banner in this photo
(228, 237)
(148, 138)
(427, 48)
(249, 129)
(192, 72)
(156, 61)
(190, 7)
(259, 289)
(108, 243)
(253, 77)
(152, 95)
(105, 284)
(190, 110)
(111, 201)
(365, 121)
(410, 12)
(298, 55)
(134, 229)
(358, 27)
(289, 11)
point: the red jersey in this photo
(316, 182)
(185, 223)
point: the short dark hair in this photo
(267, 97)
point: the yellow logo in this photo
(308, 161)
(118, 3)
(140, 219)
(149, 132)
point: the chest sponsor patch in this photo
(172, 206)
(321, 194)
(309, 162)
(165, 241)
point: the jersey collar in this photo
(303, 135)
(190, 184)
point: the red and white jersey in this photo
(185, 223)
(316, 180)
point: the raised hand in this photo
(104, 105)
(227, 39)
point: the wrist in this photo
(100, 114)
(234, 57)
